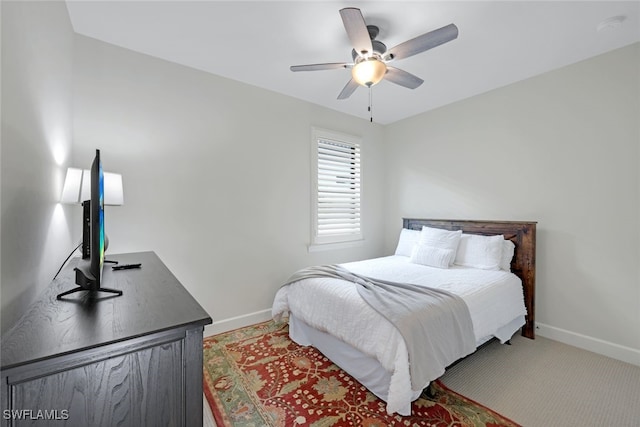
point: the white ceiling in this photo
(255, 42)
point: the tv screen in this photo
(97, 220)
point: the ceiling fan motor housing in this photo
(379, 48)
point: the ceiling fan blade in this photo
(316, 67)
(424, 42)
(349, 88)
(402, 78)
(356, 30)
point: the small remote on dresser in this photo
(126, 266)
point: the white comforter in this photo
(494, 299)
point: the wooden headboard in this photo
(522, 234)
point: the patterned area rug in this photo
(256, 376)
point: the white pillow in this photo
(484, 252)
(441, 239)
(508, 249)
(431, 256)
(408, 238)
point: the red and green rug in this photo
(256, 376)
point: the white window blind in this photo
(337, 192)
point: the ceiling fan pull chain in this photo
(370, 104)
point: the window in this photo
(336, 188)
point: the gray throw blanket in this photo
(435, 324)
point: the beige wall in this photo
(37, 61)
(561, 149)
(216, 173)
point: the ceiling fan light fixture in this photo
(369, 71)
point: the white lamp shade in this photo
(113, 192)
(72, 183)
(77, 187)
(85, 191)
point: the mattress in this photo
(333, 306)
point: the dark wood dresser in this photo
(130, 360)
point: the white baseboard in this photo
(606, 348)
(237, 322)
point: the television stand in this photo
(91, 292)
(86, 282)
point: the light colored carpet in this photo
(546, 383)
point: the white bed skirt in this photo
(366, 369)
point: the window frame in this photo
(337, 240)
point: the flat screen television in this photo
(89, 271)
(97, 219)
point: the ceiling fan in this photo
(371, 57)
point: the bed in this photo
(329, 314)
